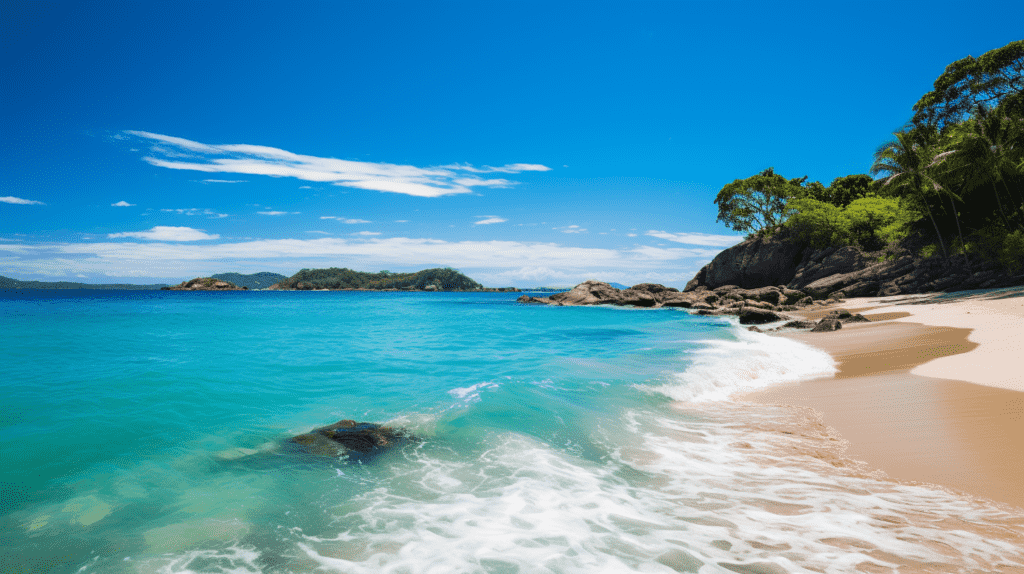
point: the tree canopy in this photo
(757, 202)
(989, 79)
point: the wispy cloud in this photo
(196, 211)
(366, 233)
(698, 238)
(19, 201)
(165, 233)
(278, 212)
(345, 220)
(489, 219)
(570, 229)
(225, 181)
(179, 153)
(319, 232)
(122, 204)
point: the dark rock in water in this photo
(829, 323)
(530, 300)
(349, 435)
(755, 329)
(756, 316)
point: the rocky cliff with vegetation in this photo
(944, 210)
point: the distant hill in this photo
(8, 283)
(253, 281)
(441, 279)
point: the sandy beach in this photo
(931, 390)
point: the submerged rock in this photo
(758, 316)
(349, 435)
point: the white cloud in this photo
(179, 153)
(490, 219)
(305, 187)
(19, 201)
(165, 233)
(570, 229)
(698, 238)
(319, 232)
(195, 211)
(122, 204)
(278, 212)
(345, 220)
(225, 181)
(401, 221)
(366, 233)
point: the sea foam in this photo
(722, 368)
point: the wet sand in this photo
(963, 435)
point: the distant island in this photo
(260, 280)
(8, 283)
(204, 284)
(438, 279)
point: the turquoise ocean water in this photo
(143, 432)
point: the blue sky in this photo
(524, 143)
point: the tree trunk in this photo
(945, 254)
(960, 232)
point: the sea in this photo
(147, 432)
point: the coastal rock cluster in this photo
(843, 271)
(204, 284)
(752, 306)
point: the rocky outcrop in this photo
(349, 436)
(205, 284)
(793, 266)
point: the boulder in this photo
(588, 293)
(766, 294)
(530, 300)
(828, 323)
(755, 316)
(677, 299)
(756, 262)
(636, 298)
(652, 288)
(350, 436)
(798, 325)
(858, 318)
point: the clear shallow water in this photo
(142, 432)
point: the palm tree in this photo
(908, 160)
(989, 147)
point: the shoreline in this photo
(928, 391)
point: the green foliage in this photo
(757, 202)
(989, 79)
(995, 243)
(871, 222)
(818, 222)
(443, 279)
(842, 190)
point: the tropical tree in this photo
(757, 202)
(995, 76)
(908, 159)
(989, 150)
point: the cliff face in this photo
(784, 261)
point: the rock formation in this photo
(819, 273)
(347, 436)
